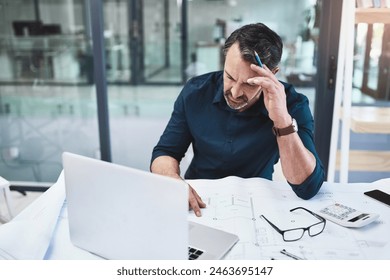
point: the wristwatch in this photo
(293, 127)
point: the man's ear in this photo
(275, 70)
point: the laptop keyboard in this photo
(193, 253)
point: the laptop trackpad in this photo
(215, 243)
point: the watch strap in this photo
(286, 130)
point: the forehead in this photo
(236, 66)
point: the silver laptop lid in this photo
(123, 213)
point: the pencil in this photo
(258, 59)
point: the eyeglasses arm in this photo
(275, 227)
(307, 210)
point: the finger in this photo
(193, 203)
(264, 72)
(264, 82)
(199, 199)
(271, 75)
(268, 86)
(256, 81)
(196, 202)
(257, 68)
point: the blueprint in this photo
(235, 205)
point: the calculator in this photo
(347, 216)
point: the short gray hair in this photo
(257, 37)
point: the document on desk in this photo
(235, 205)
(28, 235)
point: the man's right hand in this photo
(195, 201)
(168, 166)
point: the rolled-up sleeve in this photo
(312, 184)
(176, 138)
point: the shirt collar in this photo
(218, 98)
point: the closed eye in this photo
(229, 77)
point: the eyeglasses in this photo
(297, 233)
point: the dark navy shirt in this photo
(230, 143)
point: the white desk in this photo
(6, 197)
(234, 204)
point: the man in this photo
(241, 120)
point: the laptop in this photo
(117, 212)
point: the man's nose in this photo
(236, 91)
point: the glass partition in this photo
(162, 41)
(139, 111)
(117, 40)
(47, 102)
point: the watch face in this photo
(295, 125)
